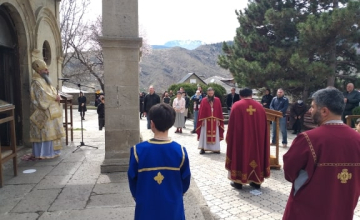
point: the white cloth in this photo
(179, 104)
(203, 140)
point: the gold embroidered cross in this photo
(159, 178)
(253, 164)
(344, 176)
(251, 110)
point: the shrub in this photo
(189, 88)
(355, 111)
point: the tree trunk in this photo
(305, 92)
(331, 79)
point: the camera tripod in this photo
(82, 144)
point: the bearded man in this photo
(323, 164)
(210, 124)
(46, 127)
(351, 100)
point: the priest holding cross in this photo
(248, 147)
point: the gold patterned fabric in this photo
(44, 126)
(39, 65)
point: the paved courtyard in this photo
(72, 187)
(224, 201)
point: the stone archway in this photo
(48, 33)
(10, 71)
(121, 49)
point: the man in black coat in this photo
(101, 113)
(150, 100)
(352, 99)
(82, 105)
(231, 98)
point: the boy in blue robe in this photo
(159, 171)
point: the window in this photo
(193, 81)
(46, 53)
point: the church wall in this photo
(35, 21)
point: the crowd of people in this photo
(176, 101)
(311, 161)
(322, 164)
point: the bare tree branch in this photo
(83, 55)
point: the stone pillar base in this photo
(115, 165)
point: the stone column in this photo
(121, 46)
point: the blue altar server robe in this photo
(159, 175)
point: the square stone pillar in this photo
(121, 46)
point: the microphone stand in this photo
(82, 143)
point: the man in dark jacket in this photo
(101, 113)
(231, 98)
(352, 99)
(297, 113)
(141, 103)
(280, 103)
(150, 100)
(82, 105)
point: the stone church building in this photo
(29, 29)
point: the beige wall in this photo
(198, 81)
(35, 21)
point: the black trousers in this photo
(101, 123)
(297, 125)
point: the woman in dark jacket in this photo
(82, 105)
(266, 99)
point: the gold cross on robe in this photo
(251, 110)
(159, 178)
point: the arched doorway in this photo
(10, 80)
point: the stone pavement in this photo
(72, 187)
(224, 201)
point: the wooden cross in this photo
(251, 110)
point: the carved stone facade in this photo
(29, 29)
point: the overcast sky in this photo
(210, 21)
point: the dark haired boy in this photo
(159, 170)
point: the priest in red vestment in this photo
(323, 164)
(248, 143)
(210, 124)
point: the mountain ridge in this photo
(164, 67)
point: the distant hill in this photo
(187, 44)
(155, 47)
(165, 67)
(161, 68)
